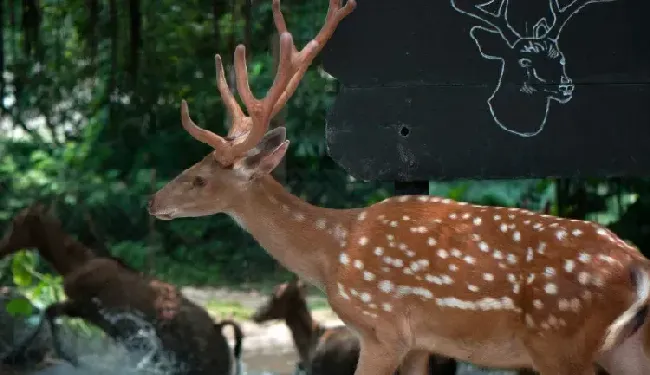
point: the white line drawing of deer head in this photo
(534, 64)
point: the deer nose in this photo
(151, 203)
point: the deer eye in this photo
(198, 181)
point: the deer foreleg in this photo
(416, 362)
(377, 359)
(70, 308)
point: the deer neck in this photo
(304, 331)
(63, 252)
(304, 238)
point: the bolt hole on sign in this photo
(448, 89)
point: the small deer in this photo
(322, 350)
(413, 275)
(94, 284)
(535, 64)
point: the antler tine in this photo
(199, 133)
(233, 108)
(562, 15)
(300, 61)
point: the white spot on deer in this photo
(358, 264)
(512, 277)
(466, 215)
(342, 292)
(545, 326)
(541, 248)
(584, 257)
(403, 198)
(393, 223)
(529, 321)
(365, 297)
(410, 253)
(469, 259)
(511, 216)
(569, 265)
(456, 253)
(602, 232)
(583, 278)
(560, 235)
(363, 241)
(406, 218)
(446, 279)
(526, 222)
(446, 201)
(370, 314)
(424, 263)
(398, 263)
(515, 288)
(362, 216)
(473, 288)
(607, 259)
(538, 226)
(442, 254)
(530, 278)
(344, 259)
(423, 198)
(538, 304)
(488, 277)
(354, 292)
(431, 241)
(320, 224)
(483, 246)
(386, 286)
(497, 254)
(372, 306)
(390, 237)
(563, 304)
(299, 216)
(387, 307)
(379, 251)
(452, 216)
(433, 279)
(549, 272)
(576, 232)
(497, 217)
(503, 227)
(453, 267)
(575, 304)
(420, 229)
(512, 259)
(477, 221)
(554, 225)
(385, 269)
(550, 288)
(516, 236)
(343, 243)
(368, 276)
(529, 254)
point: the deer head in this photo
(285, 297)
(22, 232)
(249, 152)
(535, 63)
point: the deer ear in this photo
(490, 43)
(265, 156)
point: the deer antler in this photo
(247, 131)
(497, 21)
(562, 15)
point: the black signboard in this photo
(445, 89)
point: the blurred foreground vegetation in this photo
(89, 122)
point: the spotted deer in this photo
(534, 63)
(498, 287)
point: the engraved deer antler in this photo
(498, 21)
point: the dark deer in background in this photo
(95, 285)
(534, 64)
(322, 350)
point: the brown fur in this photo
(93, 284)
(322, 350)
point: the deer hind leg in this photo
(70, 308)
(416, 362)
(551, 360)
